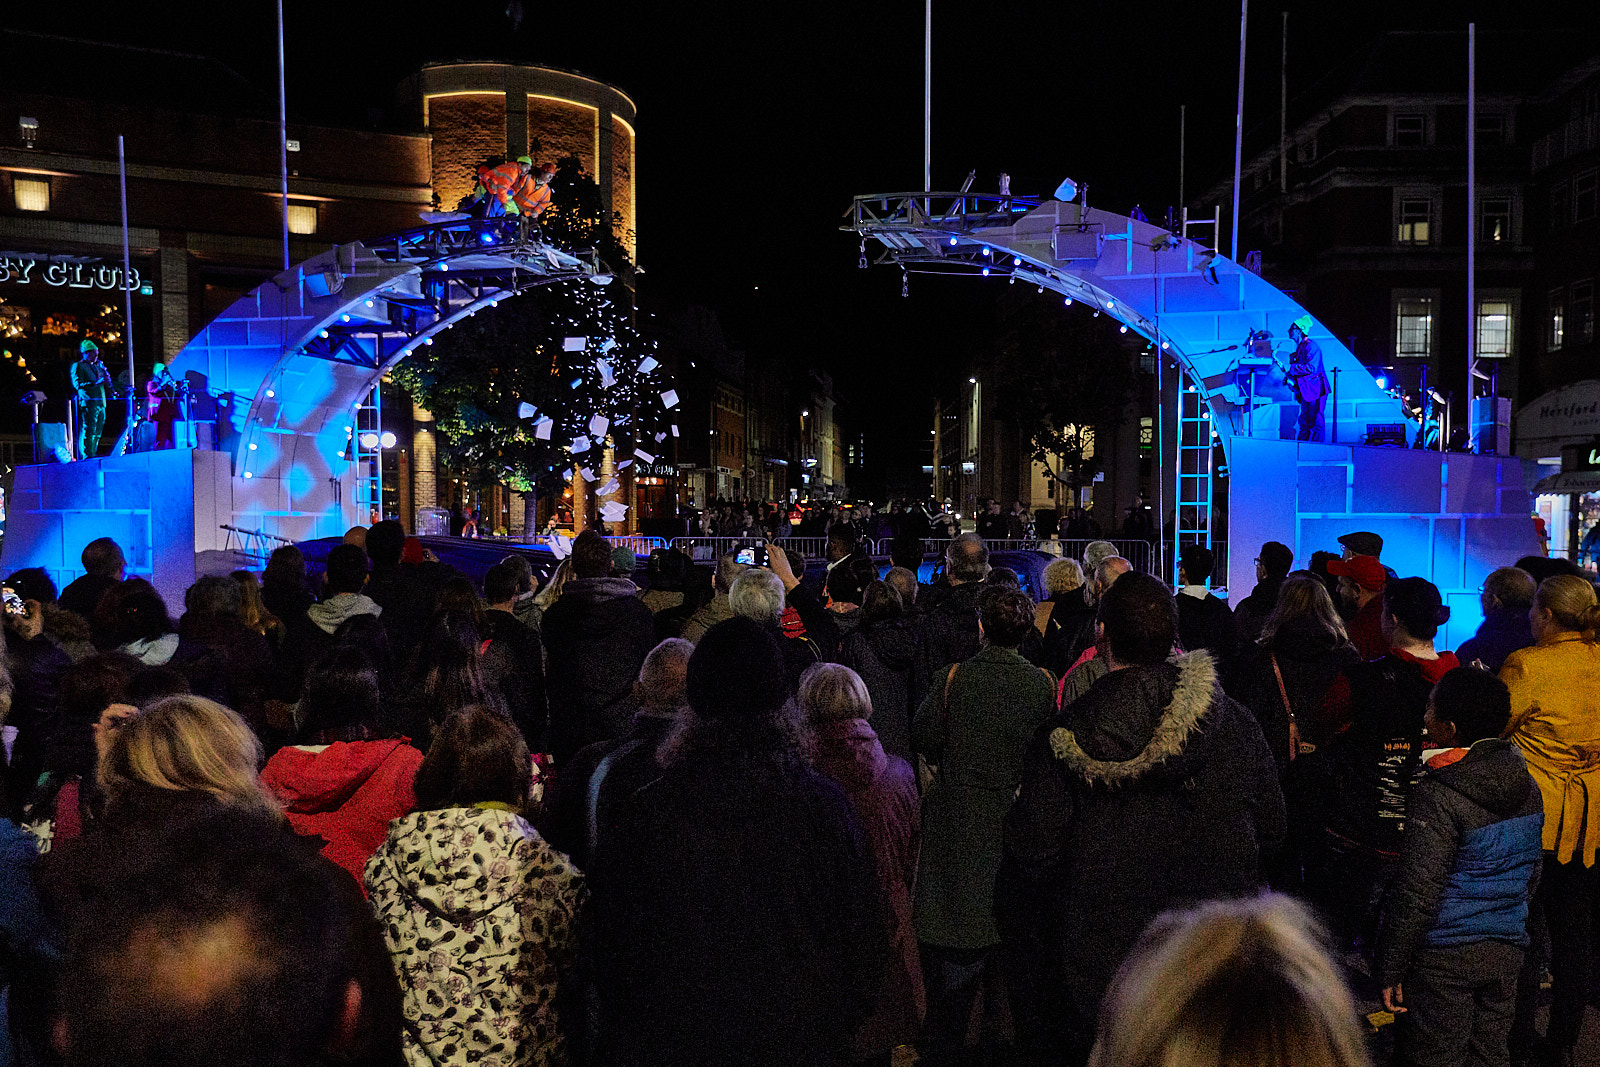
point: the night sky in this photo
(758, 122)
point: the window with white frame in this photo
(1580, 310)
(1494, 220)
(1410, 131)
(1555, 333)
(31, 194)
(302, 218)
(1415, 220)
(1491, 128)
(1494, 329)
(1413, 327)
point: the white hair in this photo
(757, 594)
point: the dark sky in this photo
(758, 122)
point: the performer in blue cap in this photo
(1308, 379)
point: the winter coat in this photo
(1251, 614)
(226, 660)
(513, 663)
(334, 611)
(481, 919)
(345, 793)
(712, 612)
(1310, 659)
(884, 654)
(37, 666)
(883, 791)
(1068, 629)
(1206, 623)
(29, 950)
(737, 919)
(1153, 790)
(1555, 721)
(949, 635)
(82, 594)
(1468, 862)
(976, 737)
(1502, 633)
(632, 765)
(408, 593)
(598, 635)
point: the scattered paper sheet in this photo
(598, 425)
(642, 454)
(580, 444)
(669, 399)
(541, 429)
(611, 486)
(526, 411)
(574, 344)
(648, 364)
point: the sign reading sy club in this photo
(59, 274)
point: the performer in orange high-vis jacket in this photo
(501, 183)
(532, 195)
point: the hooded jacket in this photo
(329, 614)
(1152, 790)
(1470, 857)
(480, 917)
(1502, 633)
(884, 654)
(598, 635)
(882, 790)
(346, 793)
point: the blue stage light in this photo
(986, 251)
(486, 237)
(1069, 302)
(1383, 383)
(1122, 329)
(1016, 261)
(952, 240)
(575, 382)
(986, 272)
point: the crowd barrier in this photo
(704, 549)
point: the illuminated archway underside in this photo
(287, 363)
(1199, 307)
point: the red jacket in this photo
(1366, 630)
(346, 794)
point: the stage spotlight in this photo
(986, 251)
(952, 240)
(254, 446)
(986, 272)
(369, 440)
(973, 381)
(387, 440)
(1067, 190)
(1016, 261)
(1122, 329)
(1383, 383)
(486, 237)
(1069, 302)
(1111, 305)
(1165, 345)
(247, 474)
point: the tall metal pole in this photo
(1183, 131)
(283, 139)
(927, 97)
(127, 280)
(1472, 216)
(1238, 130)
(1283, 111)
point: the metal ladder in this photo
(1195, 471)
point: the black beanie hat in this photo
(737, 671)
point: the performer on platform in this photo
(1308, 379)
(500, 183)
(161, 404)
(90, 380)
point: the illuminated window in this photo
(1494, 220)
(1580, 306)
(32, 194)
(1414, 327)
(1494, 329)
(1416, 216)
(302, 218)
(1555, 334)
(1410, 131)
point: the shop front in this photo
(1558, 437)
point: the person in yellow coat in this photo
(1555, 723)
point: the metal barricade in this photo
(1139, 553)
(707, 549)
(640, 543)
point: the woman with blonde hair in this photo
(1230, 982)
(1066, 619)
(1555, 724)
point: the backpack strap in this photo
(1283, 691)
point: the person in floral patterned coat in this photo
(479, 913)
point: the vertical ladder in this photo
(369, 457)
(1195, 474)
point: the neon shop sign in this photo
(63, 275)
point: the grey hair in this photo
(757, 594)
(1062, 576)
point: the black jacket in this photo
(949, 635)
(513, 662)
(566, 810)
(1068, 631)
(1469, 862)
(1310, 660)
(598, 634)
(1252, 612)
(884, 653)
(1154, 790)
(1207, 624)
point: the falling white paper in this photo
(598, 425)
(588, 474)
(611, 486)
(674, 429)
(642, 454)
(660, 437)
(553, 259)
(624, 465)
(541, 429)
(611, 511)
(622, 420)
(580, 444)
(526, 411)
(648, 364)
(607, 378)
(574, 344)
(669, 399)
(607, 345)
(560, 546)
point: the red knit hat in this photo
(411, 551)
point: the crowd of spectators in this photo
(787, 817)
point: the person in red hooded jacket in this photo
(343, 783)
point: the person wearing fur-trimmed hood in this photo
(1152, 790)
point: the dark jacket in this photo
(883, 792)
(83, 593)
(632, 765)
(1502, 633)
(227, 661)
(407, 593)
(1152, 791)
(513, 663)
(1470, 858)
(1251, 614)
(36, 669)
(976, 737)
(949, 634)
(884, 653)
(29, 951)
(736, 918)
(1068, 630)
(1310, 660)
(598, 634)
(1206, 624)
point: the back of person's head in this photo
(86, 690)
(906, 552)
(881, 601)
(1475, 701)
(1004, 577)
(157, 683)
(737, 671)
(1303, 604)
(1543, 567)
(356, 535)
(1276, 558)
(522, 569)
(386, 540)
(340, 698)
(1140, 619)
(967, 559)
(1095, 552)
(457, 594)
(286, 567)
(1510, 588)
(142, 616)
(1107, 571)
(904, 582)
(1197, 563)
(346, 570)
(664, 674)
(224, 940)
(1062, 576)
(848, 581)
(501, 584)
(728, 570)
(186, 744)
(1007, 616)
(1570, 600)
(1415, 603)
(33, 583)
(1230, 983)
(213, 594)
(757, 594)
(591, 556)
(477, 755)
(251, 608)
(831, 692)
(103, 558)
(447, 668)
